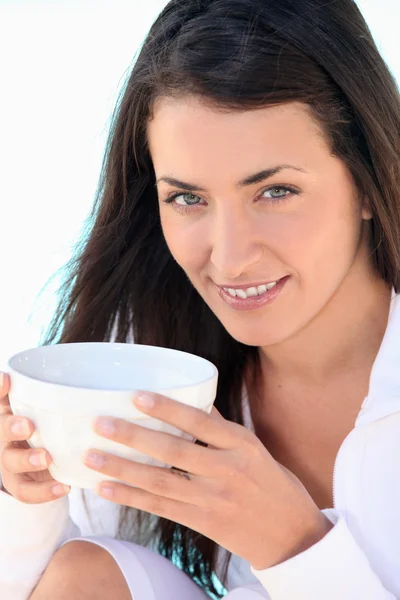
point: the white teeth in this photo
(241, 293)
(250, 292)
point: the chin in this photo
(259, 337)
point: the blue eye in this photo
(187, 196)
(278, 187)
(184, 200)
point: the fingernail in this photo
(60, 490)
(105, 425)
(145, 401)
(38, 459)
(20, 427)
(106, 491)
(94, 458)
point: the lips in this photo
(250, 292)
(241, 300)
(244, 286)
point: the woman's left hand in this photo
(237, 494)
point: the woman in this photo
(248, 212)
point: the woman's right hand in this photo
(24, 470)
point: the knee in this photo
(81, 570)
(69, 556)
(76, 559)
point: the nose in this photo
(236, 245)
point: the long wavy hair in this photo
(237, 55)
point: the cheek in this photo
(185, 242)
(321, 241)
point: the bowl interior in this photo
(111, 366)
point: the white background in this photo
(61, 65)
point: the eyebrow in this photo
(250, 180)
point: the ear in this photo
(366, 213)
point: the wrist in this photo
(311, 537)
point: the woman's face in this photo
(300, 227)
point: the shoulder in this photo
(367, 485)
(373, 514)
(381, 457)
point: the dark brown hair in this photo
(236, 55)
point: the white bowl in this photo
(61, 388)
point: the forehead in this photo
(189, 131)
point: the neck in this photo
(344, 337)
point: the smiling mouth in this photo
(251, 291)
(253, 297)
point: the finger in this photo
(33, 492)
(157, 480)
(179, 512)
(4, 384)
(19, 460)
(165, 447)
(216, 414)
(4, 389)
(15, 429)
(5, 408)
(219, 433)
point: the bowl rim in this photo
(12, 369)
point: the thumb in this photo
(4, 384)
